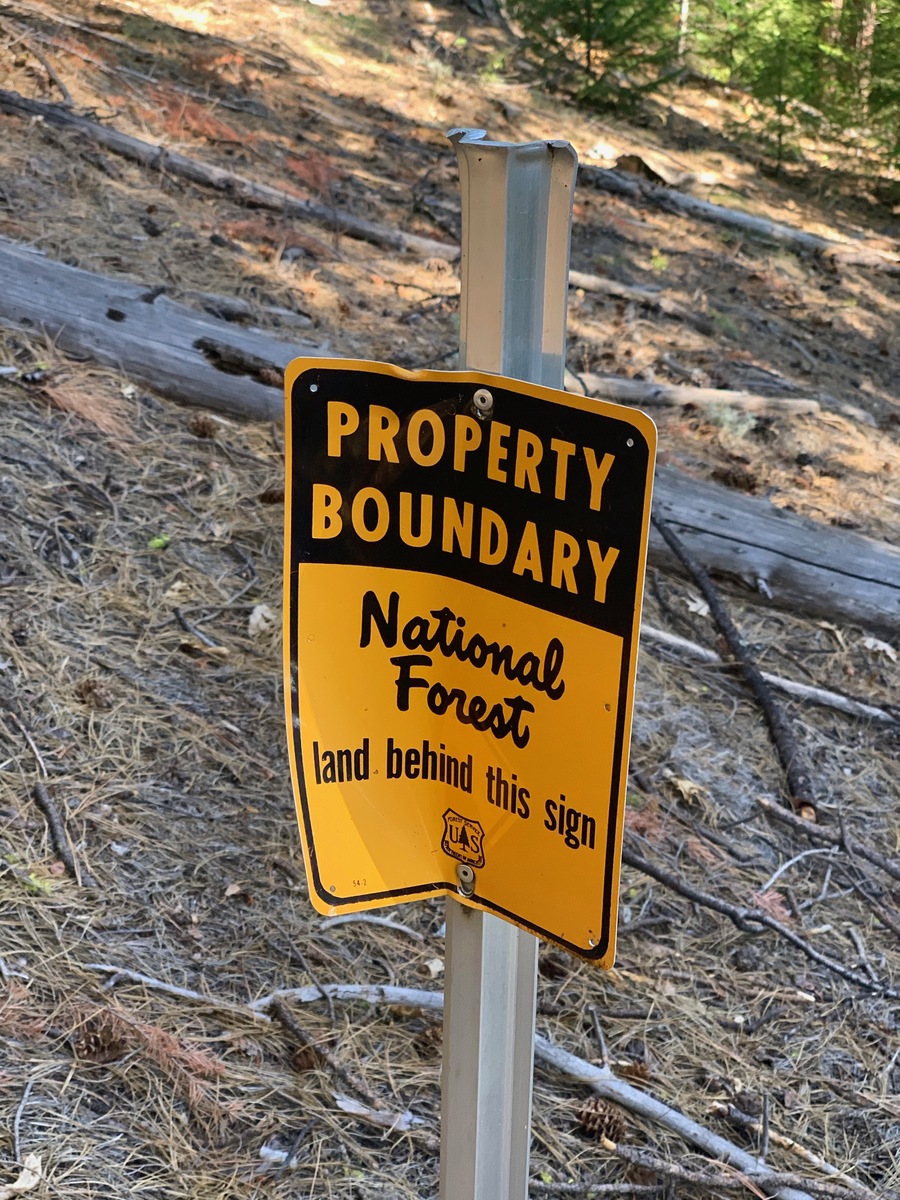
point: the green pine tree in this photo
(600, 50)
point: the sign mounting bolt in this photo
(484, 403)
(466, 879)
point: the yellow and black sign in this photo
(464, 560)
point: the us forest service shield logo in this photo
(463, 839)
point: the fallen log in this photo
(619, 183)
(611, 287)
(789, 561)
(247, 191)
(184, 354)
(195, 358)
(676, 395)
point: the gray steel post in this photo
(516, 226)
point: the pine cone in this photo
(634, 1069)
(600, 1119)
(99, 1039)
(203, 426)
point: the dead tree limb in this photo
(58, 837)
(593, 1191)
(747, 919)
(601, 1079)
(682, 204)
(796, 774)
(280, 1011)
(675, 395)
(238, 187)
(736, 1181)
(831, 837)
(802, 691)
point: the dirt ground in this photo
(141, 708)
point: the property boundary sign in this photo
(464, 561)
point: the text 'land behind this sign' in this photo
(462, 608)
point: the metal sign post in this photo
(464, 559)
(516, 224)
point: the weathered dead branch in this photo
(280, 1011)
(632, 188)
(58, 837)
(748, 919)
(674, 395)
(801, 691)
(238, 187)
(795, 772)
(831, 837)
(602, 1079)
(735, 1181)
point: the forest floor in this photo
(140, 640)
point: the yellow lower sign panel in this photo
(462, 595)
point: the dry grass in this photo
(164, 754)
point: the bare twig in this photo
(745, 1121)
(17, 1123)
(601, 1040)
(736, 1181)
(297, 954)
(747, 918)
(42, 766)
(59, 838)
(830, 837)
(770, 882)
(52, 73)
(171, 989)
(368, 919)
(293, 872)
(803, 691)
(194, 631)
(857, 941)
(285, 1017)
(797, 776)
(888, 920)
(537, 1187)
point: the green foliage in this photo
(810, 62)
(829, 65)
(599, 50)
